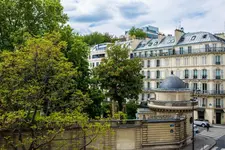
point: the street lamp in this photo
(193, 101)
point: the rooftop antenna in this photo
(179, 24)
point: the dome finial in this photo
(171, 72)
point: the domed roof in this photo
(171, 83)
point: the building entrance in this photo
(201, 115)
(218, 118)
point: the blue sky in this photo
(116, 16)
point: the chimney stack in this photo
(178, 34)
(161, 36)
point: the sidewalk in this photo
(218, 126)
(201, 143)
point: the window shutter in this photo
(200, 86)
(181, 74)
(190, 74)
(153, 63)
(222, 102)
(207, 74)
(214, 74)
(199, 74)
(221, 73)
(221, 59)
(190, 86)
(214, 59)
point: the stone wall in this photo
(133, 135)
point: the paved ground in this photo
(201, 143)
(217, 133)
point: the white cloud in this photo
(115, 16)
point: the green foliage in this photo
(39, 95)
(137, 33)
(131, 109)
(98, 38)
(120, 76)
(32, 16)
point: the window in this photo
(207, 48)
(186, 74)
(148, 74)
(145, 53)
(195, 60)
(203, 102)
(139, 54)
(217, 60)
(97, 63)
(181, 50)
(93, 65)
(142, 96)
(204, 36)
(157, 63)
(149, 63)
(157, 74)
(204, 74)
(135, 54)
(157, 84)
(178, 61)
(204, 60)
(219, 103)
(149, 86)
(186, 85)
(214, 47)
(186, 61)
(189, 49)
(143, 63)
(204, 87)
(195, 86)
(143, 73)
(155, 43)
(193, 38)
(217, 90)
(218, 72)
(195, 75)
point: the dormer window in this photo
(155, 43)
(181, 39)
(193, 38)
(150, 44)
(204, 36)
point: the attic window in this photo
(172, 41)
(193, 38)
(204, 36)
(155, 43)
(150, 44)
(182, 39)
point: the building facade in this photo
(196, 58)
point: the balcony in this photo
(203, 105)
(195, 77)
(172, 105)
(218, 77)
(219, 106)
(217, 63)
(185, 52)
(204, 76)
(210, 92)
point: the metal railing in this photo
(194, 51)
(173, 103)
(211, 92)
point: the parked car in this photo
(196, 129)
(201, 122)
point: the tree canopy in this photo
(39, 95)
(137, 33)
(35, 17)
(98, 38)
(120, 76)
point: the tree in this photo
(35, 17)
(120, 76)
(39, 96)
(131, 109)
(137, 33)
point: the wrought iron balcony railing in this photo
(194, 51)
(210, 92)
(173, 103)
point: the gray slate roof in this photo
(187, 38)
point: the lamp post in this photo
(193, 104)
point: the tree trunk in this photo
(120, 103)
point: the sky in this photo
(117, 16)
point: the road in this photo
(216, 133)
